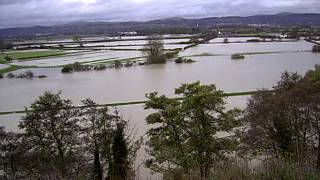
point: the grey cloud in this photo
(44, 12)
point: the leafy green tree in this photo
(119, 164)
(51, 127)
(154, 50)
(106, 141)
(285, 124)
(92, 131)
(184, 133)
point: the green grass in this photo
(10, 69)
(24, 55)
(14, 68)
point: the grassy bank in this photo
(14, 68)
(24, 55)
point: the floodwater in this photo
(256, 71)
(260, 47)
(83, 57)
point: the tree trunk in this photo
(97, 170)
(318, 156)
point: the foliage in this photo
(119, 164)
(194, 39)
(8, 58)
(51, 129)
(285, 124)
(316, 48)
(67, 68)
(184, 133)
(154, 50)
(237, 56)
(61, 142)
(180, 60)
(100, 67)
(226, 40)
(254, 40)
(10, 75)
(11, 159)
(1, 76)
(117, 64)
(28, 74)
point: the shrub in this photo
(172, 54)
(8, 58)
(189, 61)
(316, 49)
(158, 60)
(183, 60)
(100, 67)
(21, 75)
(67, 69)
(254, 40)
(77, 66)
(10, 75)
(128, 64)
(179, 60)
(1, 76)
(117, 64)
(42, 76)
(28, 74)
(237, 56)
(226, 40)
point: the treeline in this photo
(277, 136)
(60, 142)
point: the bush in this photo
(10, 75)
(189, 61)
(173, 54)
(316, 49)
(237, 56)
(8, 58)
(1, 76)
(28, 74)
(157, 60)
(100, 67)
(42, 76)
(179, 60)
(226, 40)
(254, 40)
(117, 64)
(183, 60)
(128, 64)
(67, 69)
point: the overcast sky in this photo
(47, 12)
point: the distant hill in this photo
(282, 19)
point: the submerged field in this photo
(263, 64)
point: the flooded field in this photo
(80, 57)
(260, 47)
(261, 68)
